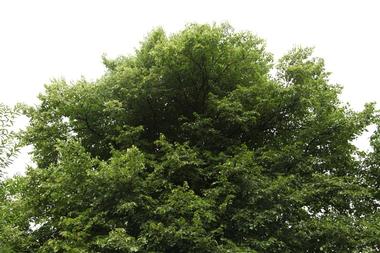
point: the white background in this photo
(41, 40)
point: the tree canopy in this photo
(198, 142)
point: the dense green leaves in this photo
(192, 145)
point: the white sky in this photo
(41, 40)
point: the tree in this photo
(193, 145)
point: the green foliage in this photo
(8, 141)
(192, 145)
